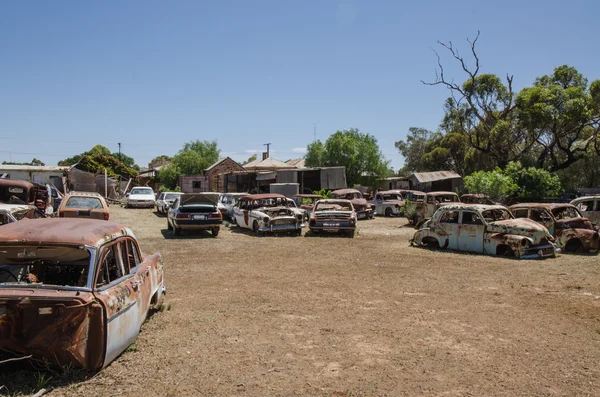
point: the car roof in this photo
(345, 191)
(308, 195)
(441, 193)
(541, 205)
(70, 231)
(16, 183)
(393, 191)
(465, 206)
(335, 201)
(88, 194)
(583, 198)
(263, 196)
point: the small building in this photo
(448, 181)
(42, 174)
(214, 173)
(267, 164)
(298, 163)
(392, 183)
(194, 183)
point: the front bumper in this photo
(281, 228)
(538, 251)
(141, 203)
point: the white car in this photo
(267, 213)
(141, 197)
(165, 200)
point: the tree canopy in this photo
(99, 158)
(553, 124)
(34, 161)
(357, 151)
(194, 157)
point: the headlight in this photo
(525, 242)
(266, 219)
(299, 217)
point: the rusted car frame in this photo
(487, 229)
(363, 209)
(572, 232)
(388, 202)
(589, 206)
(426, 204)
(268, 212)
(74, 291)
(333, 215)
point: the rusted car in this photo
(14, 191)
(426, 204)
(333, 215)
(388, 202)
(267, 212)
(74, 291)
(487, 229)
(10, 213)
(84, 205)
(589, 207)
(363, 209)
(572, 232)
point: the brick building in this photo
(215, 172)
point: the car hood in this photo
(329, 212)
(578, 223)
(521, 227)
(206, 198)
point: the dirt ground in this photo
(369, 316)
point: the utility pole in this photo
(119, 150)
(267, 145)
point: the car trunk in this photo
(83, 213)
(60, 327)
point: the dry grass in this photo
(355, 317)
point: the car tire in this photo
(388, 212)
(255, 227)
(574, 246)
(215, 232)
(176, 231)
(350, 233)
(298, 232)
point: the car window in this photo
(83, 202)
(3, 219)
(129, 255)
(176, 203)
(111, 266)
(566, 213)
(430, 200)
(497, 214)
(471, 218)
(586, 205)
(540, 215)
(520, 213)
(449, 217)
(141, 191)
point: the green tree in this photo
(494, 184)
(97, 159)
(250, 159)
(196, 156)
(168, 176)
(534, 184)
(357, 151)
(414, 148)
(34, 161)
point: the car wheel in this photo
(215, 232)
(388, 211)
(299, 232)
(255, 227)
(176, 231)
(574, 246)
(169, 227)
(350, 233)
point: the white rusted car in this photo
(427, 203)
(388, 202)
(487, 229)
(267, 213)
(589, 207)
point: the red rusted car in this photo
(572, 232)
(363, 209)
(74, 291)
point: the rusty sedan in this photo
(333, 216)
(363, 209)
(74, 291)
(487, 229)
(573, 232)
(267, 212)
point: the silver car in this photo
(229, 200)
(165, 200)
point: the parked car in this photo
(267, 212)
(572, 232)
(164, 201)
(220, 206)
(13, 191)
(10, 213)
(487, 229)
(141, 197)
(229, 200)
(74, 292)
(426, 204)
(363, 209)
(589, 207)
(84, 205)
(307, 202)
(333, 215)
(388, 202)
(57, 198)
(298, 210)
(194, 211)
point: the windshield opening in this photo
(496, 215)
(44, 265)
(565, 213)
(83, 202)
(141, 191)
(333, 207)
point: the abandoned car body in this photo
(195, 211)
(427, 203)
(74, 291)
(488, 229)
(388, 202)
(267, 212)
(10, 213)
(164, 201)
(333, 216)
(307, 202)
(363, 209)
(572, 232)
(589, 207)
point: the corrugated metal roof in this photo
(33, 168)
(268, 164)
(298, 163)
(423, 177)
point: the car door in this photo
(118, 291)
(471, 231)
(241, 213)
(377, 203)
(172, 211)
(448, 229)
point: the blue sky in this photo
(155, 74)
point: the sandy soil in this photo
(369, 316)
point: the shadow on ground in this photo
(26, 378)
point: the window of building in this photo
(196, 185)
